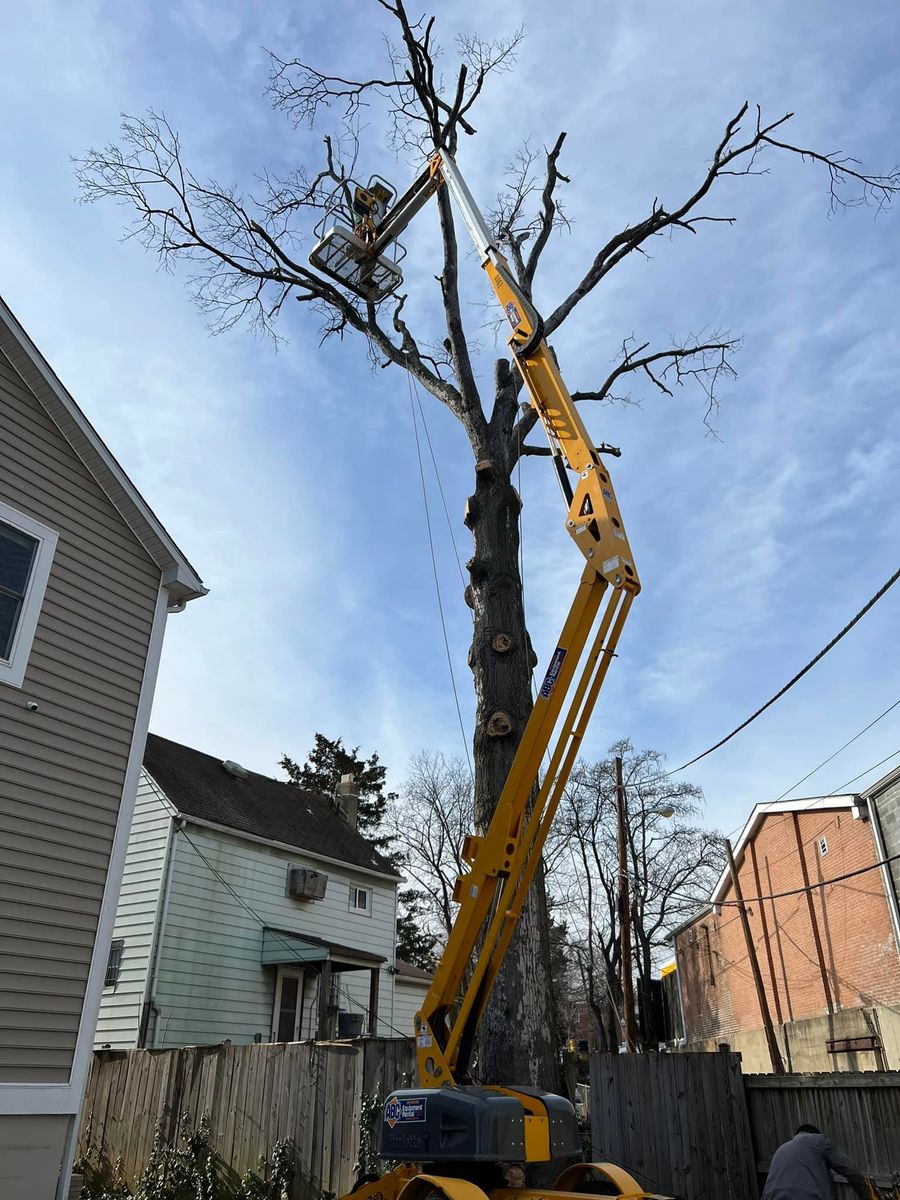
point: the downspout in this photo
(149, 1003)
(890, 890)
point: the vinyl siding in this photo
(137, 914)
(62, 768)
(31, 1149)
(211, 986)
(408, 997)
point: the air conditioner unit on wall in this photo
(303, 883)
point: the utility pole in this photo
(774, 1052)
(628, 1020)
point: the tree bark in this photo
(516, 1043)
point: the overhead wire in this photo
(838, 790)
(823, 883)
(885, 587)
(437, 584)
(839, 750)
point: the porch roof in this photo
(282, 947)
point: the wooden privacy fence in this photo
(692, 1125)
(254, 1096)
(858, 1110)
(677, 1122)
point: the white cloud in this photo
(291, 479)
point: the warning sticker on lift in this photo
(556, 662)
(410, 1109)
(513, 315)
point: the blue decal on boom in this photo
(556, 662)
(411, 1109)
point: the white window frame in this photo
(12, 670)
(355, 890)
(823, 847)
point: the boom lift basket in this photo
(346, 233)
(345, 257)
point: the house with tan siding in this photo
(88, 576)
(250, 911)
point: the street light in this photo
(664, 810)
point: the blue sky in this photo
(290, 478)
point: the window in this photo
(823, 847)
(114, 963)
(361, 900)
(26, 551)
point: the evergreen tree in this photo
(321, 772)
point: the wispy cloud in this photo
(291, 478)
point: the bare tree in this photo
(429, 818)
(672, 866)
(245, 257)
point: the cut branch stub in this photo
(479, 569)
(498, 724)
(470, 514)
(502, 643)
(484, 471)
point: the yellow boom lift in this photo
(450, 1133)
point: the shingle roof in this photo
(199, 786)
(407, 970)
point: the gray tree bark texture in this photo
(516, 1041)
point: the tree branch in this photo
(731, 157)
(704, 362)
(548, 216)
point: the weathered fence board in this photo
(858, 1110)
(253, 1096)
(677, 1122)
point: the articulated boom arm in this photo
(503, 862)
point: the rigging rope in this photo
(437, 584)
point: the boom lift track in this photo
(449, 1132)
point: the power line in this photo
(809, 666)
(840, 789)
(838, 751)
(437, 585)
(813, 886)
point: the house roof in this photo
(759, 814)
(408, 971)
(198, 786)
(179, 576)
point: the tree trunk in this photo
(516, 1043)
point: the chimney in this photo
(347, 799)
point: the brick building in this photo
(828, 957)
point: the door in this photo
(288, 1006)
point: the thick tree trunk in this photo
(516, 1038)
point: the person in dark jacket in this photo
(801, 1169)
